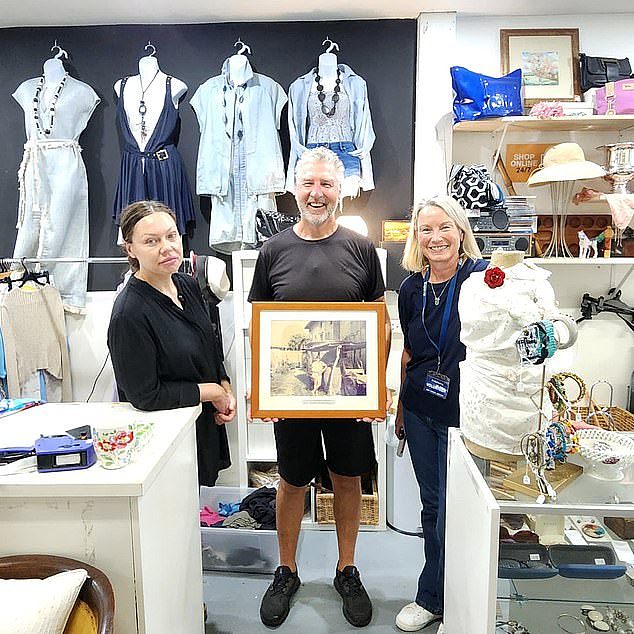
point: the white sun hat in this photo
(565, 162)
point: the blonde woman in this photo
(441, 253)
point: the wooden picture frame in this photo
(395, 230)
(549, 59)
(318, 360)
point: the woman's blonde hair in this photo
(413, 258)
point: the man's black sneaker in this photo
(357, 607)
(276, 601)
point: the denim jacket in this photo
(360, 122)
(261, 110)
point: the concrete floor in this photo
(389, 564)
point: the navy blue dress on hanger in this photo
(157, 172)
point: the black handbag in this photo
(598, 71)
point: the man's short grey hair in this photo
(320, 154)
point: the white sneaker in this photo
(413, 618)
(441, 629)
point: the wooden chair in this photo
(94, 609)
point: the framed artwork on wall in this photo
(394, 230)
(318, 360)
(549, 59)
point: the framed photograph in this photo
(318, 360)
(395, 230)
(549, 59)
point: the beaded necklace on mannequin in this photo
(51, 108)
(142, 106)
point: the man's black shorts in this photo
(349, 448)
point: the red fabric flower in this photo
(494, 277)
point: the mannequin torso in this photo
(239, 70)
(150, 84)
(327, 70)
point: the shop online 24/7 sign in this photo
(522, 159)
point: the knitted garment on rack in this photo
(34, 332)
(495, 405)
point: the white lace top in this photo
(495, 405)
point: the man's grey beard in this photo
(313, 219)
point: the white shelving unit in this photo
(595, 123)
(473, 594)
(256, 442)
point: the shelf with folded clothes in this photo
(600, 123)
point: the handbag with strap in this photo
(598, 71)
(615, 98)
(479, 96)
(473, 187)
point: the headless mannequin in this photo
(54, 72)
(152, 80)
(327, 69)
(239, 70)
(505, 260)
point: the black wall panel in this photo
(383, 52)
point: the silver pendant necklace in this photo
(142, 106)
(437, 297)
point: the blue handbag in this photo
(479, 96)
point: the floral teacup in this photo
(114, 446)
(143, 432)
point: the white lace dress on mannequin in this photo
(495, 405)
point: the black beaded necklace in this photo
(51, 109)
(321, 95)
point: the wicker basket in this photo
(622, 420)
(369, 506)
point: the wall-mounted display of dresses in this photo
(53, 203)
(338, 118)
(240, 162)
(151, 166)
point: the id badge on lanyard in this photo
(437, 383)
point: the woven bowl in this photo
(608, 454)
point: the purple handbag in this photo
(615, 98)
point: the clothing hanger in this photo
(32, 276)
(243, 47)
(332, 46)
(150, 45)
(60, 51)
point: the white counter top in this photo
(23, 428)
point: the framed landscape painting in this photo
(318, 360)
(549, 59)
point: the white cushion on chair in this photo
(39, 606)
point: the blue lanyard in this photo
(440, 346)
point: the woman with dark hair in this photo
(160, 337)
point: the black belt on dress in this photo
(159, 155)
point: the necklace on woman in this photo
(51, 109)
(437, 297)
(142, 106)
(321, 95)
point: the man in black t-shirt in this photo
(316, 260)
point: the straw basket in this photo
(369, 506)
(622, 420)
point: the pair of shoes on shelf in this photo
(357, 607)
(276, 602)
(414, 617)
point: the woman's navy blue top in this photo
(424, 355)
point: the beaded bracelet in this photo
(557, 390)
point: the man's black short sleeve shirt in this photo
(344, 267)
